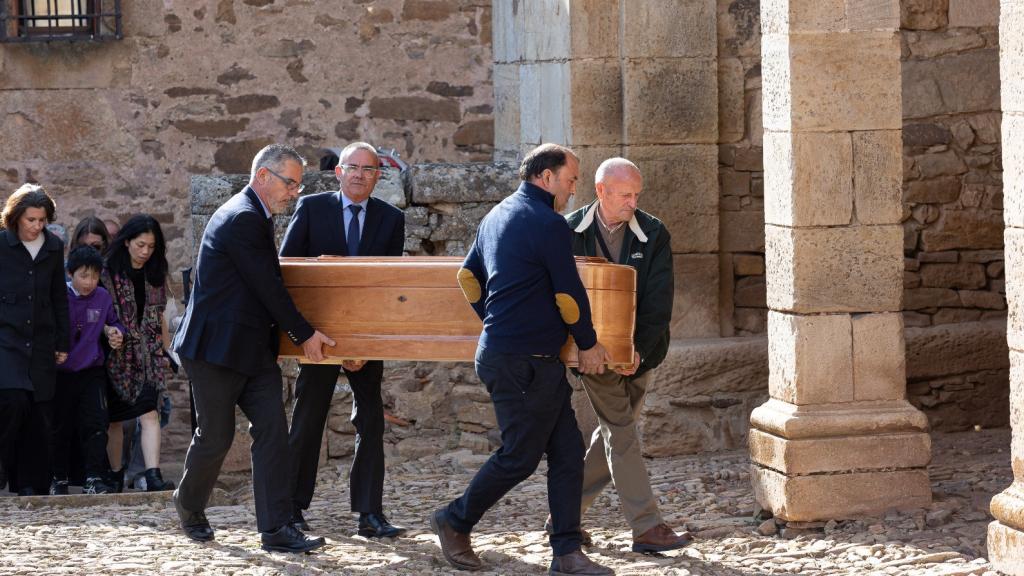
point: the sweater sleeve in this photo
(570, 296)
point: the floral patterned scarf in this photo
(140, 359)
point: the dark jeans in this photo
(25, 440)
(532, 401)
(80, 404)
(217, 391)
(313, 391)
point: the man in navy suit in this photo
(228, 344)
(344, 223)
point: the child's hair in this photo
(86, 256)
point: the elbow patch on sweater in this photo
(470, 285)
(568, 308)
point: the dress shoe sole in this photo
(198, 537)
(436, 527)
(290, 550)
(371, 533)
(653, 548)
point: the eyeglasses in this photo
(290, 184)
(366, 170)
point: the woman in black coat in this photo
(34, 335)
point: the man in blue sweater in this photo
(520, 277)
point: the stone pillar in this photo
(837, 437)
(1006, 533)
(638, 81)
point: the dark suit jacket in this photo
(317, 228)
(239, 300)
(34, 320)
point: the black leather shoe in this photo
(288, 539)
(298, 521)
(194, 524)
(377, 526)
(155, 481)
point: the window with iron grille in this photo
(50, 20)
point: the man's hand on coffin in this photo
(630, 370)
(313, 348)
(592, 360)
(353, 365)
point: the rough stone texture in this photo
(973, 13)
(655, 29)
(119, 127)
(827, 496)
(443, 183)
(670, 101)
(842, 454)
(809, 178)
(877, 176)
(879, 364)
(695, 305)
(852, 269)
(858, 95)
(702, 395)
(810, 358)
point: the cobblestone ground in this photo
(709, 494)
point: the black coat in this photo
(317, 228)
(34, 322)
(239, 300)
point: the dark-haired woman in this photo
(90, 231)
(136, 276)
(33, 335)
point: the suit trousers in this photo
(533, 404)
(217, 391)
(615, 452)
(313, 391)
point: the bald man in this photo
(614, 228)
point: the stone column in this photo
(837, 437)
(1006, 533)
(634, 78)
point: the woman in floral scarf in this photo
(136, 275)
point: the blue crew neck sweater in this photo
(520, 277)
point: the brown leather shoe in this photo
(585, 539)
(456, 546)
(661, 538)
(577, 564)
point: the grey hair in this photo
(273, 156)
(347, 150)
(613, 165)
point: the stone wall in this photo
(197, 87)
(952, 164)
(953, 186)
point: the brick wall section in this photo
(114, 129)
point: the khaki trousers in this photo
(614, 452)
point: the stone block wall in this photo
(741, 170)
(953, 185)
(115, 129)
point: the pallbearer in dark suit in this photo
(227, 343)
(344, 223)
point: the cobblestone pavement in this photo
(710, 494)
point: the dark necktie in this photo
(353, 230)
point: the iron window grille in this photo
(68, 20)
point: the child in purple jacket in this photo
(81, 395)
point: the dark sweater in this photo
(524, 284)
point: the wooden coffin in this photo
(411, 308)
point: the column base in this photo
(827, 461)
(1006, 548)
(831, 496)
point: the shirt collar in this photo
(346, 202)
